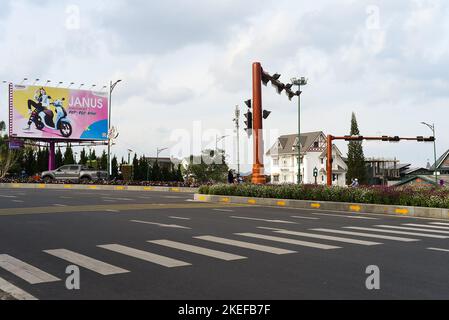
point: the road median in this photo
(358, 208)
(96, 187)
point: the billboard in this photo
(48, 113)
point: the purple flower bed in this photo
(418, 197)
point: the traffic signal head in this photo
(249, 122)
(266, 114)
(394, 139)
(278, 85)
(265, 78)
(422, 139)
(248, 103)
(290, 94)
(276, 76)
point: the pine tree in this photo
(83, 157)
(136, 171)
(58, 158)
(356, 158)
(114, 168)
(68, 156)
(104, 161)
(156, 172)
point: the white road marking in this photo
(117, 199)
(324, 237)
(161, 224)
(368, 235)
(438, 249)
(440, 223)
(18, 201)
(3, 196)
(223, 210)
(109, 200)
(172, 197)
(289, 241)
(180, 218)
(14, 291)
(417, 234)
(265, 220)
(246, 245)
(25, 271)
(112, 210)
(63, 197)
(343, 216)
(145, 255)
(59, 205)
(412, 229)
(425, 226)
(307, 218)
(97, 266)
(199, 250)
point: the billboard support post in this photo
(51, 156)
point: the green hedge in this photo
(417, 197)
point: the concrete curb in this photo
(93, 187)
(434, 213)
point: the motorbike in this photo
(44, 119)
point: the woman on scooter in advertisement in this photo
(41, 103)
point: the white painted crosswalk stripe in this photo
(198, 250)
(14, 291)
(174, 226)
(246, 245)
(324, 237)
(367, 235)
(438, 249)
(440, 223)
(289, 241)
(145, 255)
(25, 271)
(413, 229)
(265, 220)
(343, 216)
(416, 234)
(425, 226)
(86, 262)
(306, 218)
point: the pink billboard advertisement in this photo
(48, 113)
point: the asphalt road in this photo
(209, 251)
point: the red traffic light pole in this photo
(331, 138)
(258, 144)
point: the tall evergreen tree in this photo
(83, 157)
(356, 158)
(156, 172)
(104, 161)
(68, 156)
(59, 161)
(136, 170)
(114, 168)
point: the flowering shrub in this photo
(406, 196)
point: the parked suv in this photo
(74, 172)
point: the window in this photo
(276, 163)
(316, 144)
(322, 161)
(276, 179)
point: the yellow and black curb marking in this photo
(434, 213)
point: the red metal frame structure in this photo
(330, 140)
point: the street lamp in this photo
(432, 127)
(217, 140)
(129, 155)
(299, 82)
(237, 128)
(159, 151)
(111, 89)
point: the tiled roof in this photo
(286, 143)
(441, 162)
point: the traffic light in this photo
(266, 114)
(276, 76)
(249, 123)
(290, 94)
(278, 85)
(394, 139)
(249, 103)
(265, 78)
(422, 139)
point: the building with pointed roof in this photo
(442, 165)
(284, 160)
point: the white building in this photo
(283, 160)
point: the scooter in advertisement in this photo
(44, 119)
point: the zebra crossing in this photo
(267, 241)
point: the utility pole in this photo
(111, 88)
(299, 82)
(432, 127)
(237, 127)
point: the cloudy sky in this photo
(186, 64)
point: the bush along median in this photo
(414, 197)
